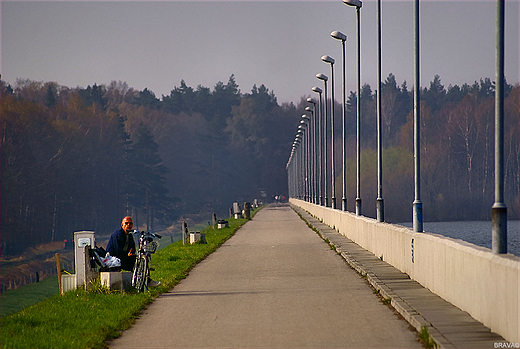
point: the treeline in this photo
(457, 150)
(81, 158)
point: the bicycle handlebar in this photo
(147, 233)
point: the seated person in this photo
(121, 245)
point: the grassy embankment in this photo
(90, 318)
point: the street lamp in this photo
(357, 4)
(342, 37)
(313, 148)
(331, 61)
(417, 204)
(297, 142)
(499, 208)
(379, 202)
(306, 127)
(324, 78)
(310, 154)
(319, 146)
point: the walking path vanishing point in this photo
(276, 283)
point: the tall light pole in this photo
(499, 209)
(313, 148)
(301, 157)
(324, 78)
(357, 4)
(379, 203)
(417, 204)
(331, 61)
(310, 154)
(319, 146)
(298, 141)
(340, 36)
(306, 127)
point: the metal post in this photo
(306, 161)
(320, 156)
(312, 154)
(379, 202)
(325, 145)
(333, 172)
(340, 36)
(358, 121)
(417, 204)
(499, 209)
(344, 145)
(319, 146)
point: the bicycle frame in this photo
(141, 272)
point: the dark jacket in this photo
(119, 245)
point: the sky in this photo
(157, 44)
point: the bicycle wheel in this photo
(140, 278)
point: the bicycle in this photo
(141, 272)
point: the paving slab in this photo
(447, 324)
(274, 284)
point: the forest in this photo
(81, 158)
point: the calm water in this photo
(475, 232)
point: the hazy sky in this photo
(155, 45)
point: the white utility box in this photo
(116, 280)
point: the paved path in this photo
(275, 284)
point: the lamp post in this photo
(305, 123)
(291, 170)
(310, 154)
(331, 61)
(340, 36)
(319, 146)
(417, 204)
(324, 78)
(499, 209)
(313, 147)
(296, 165)
(357, 4)
(301, 156)
(379, 202)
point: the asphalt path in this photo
(274, 284)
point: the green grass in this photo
(90, 318)
(428, 341)
(23, 297)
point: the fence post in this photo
(184, 232)
(58, 269)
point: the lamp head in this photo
(327, 59)
(317, 89)
(322, 76)
(311, 100)
(338, 35)
(355, 3)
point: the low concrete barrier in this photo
(470, 277)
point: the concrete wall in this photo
(470, 277)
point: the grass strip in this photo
(90, 318)
(15, 300)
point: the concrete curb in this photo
(458, 334)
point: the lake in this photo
(475, 232)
